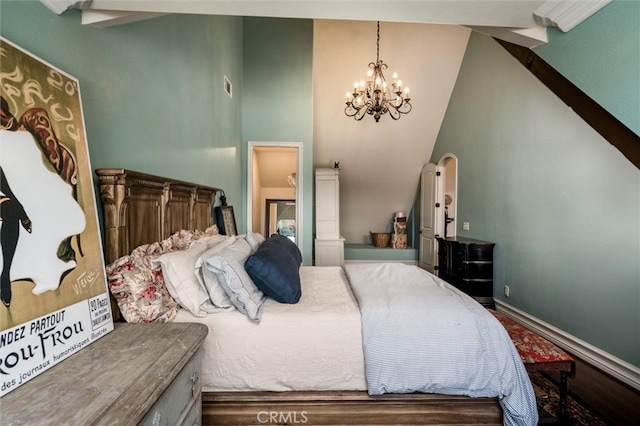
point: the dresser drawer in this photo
(180, 404)
(476, 270)
(476, 288)
(472, 252)
(465, 269)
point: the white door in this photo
(427, 247)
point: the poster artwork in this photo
(53, 287)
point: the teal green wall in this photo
(602, 57)
(152, 91)
(277, 104)
(559, 201)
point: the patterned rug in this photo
(548, 399)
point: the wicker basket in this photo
(381, 239)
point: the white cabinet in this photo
(329, 244)
(329, 252)
(327, 204)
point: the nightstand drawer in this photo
(476, 288)
(473, 270)
(472, 252)
(177, 403)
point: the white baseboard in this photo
(600, 359)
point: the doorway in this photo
(447, 190)
(274, 172)
(438, 208)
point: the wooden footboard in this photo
(345, 408)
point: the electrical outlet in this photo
(465, 226)
(506, 291)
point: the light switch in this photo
(465, 226)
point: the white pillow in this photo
(177, 270)
(255, 239)
(208, 280)
(228, 266)
(180, 279)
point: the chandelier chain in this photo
(378, 44)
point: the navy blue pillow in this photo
(275, 269)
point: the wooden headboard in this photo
(140, 208)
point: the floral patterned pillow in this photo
(139, 288)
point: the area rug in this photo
(548, 400)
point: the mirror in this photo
(280, 218)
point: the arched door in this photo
(438, 208)
(427, 247)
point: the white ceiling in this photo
(275, 165)
(521, 22)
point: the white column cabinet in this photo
(329, 244)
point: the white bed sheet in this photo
(315, 344)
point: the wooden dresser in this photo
(138, 374)
(468, 265)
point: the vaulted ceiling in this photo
(522, 22)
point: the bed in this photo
(281, 368)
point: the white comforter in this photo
(422, 335)
(313, 345)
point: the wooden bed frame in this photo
(139, 208)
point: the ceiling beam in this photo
(601, 120)
(566, 14)
(506, 13)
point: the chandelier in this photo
(291, 179)
(375, 97)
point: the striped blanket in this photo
(421, 334)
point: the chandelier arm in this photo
(394, 112)
(359, 115)
(350, 111)
(405, 108)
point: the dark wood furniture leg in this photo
(562, 408)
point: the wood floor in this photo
(615, 402)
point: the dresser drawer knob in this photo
(195, 389)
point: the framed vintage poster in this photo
(226, 220)
(53, 287)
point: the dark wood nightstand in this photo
(467, 264)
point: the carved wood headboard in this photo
(140, 208)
